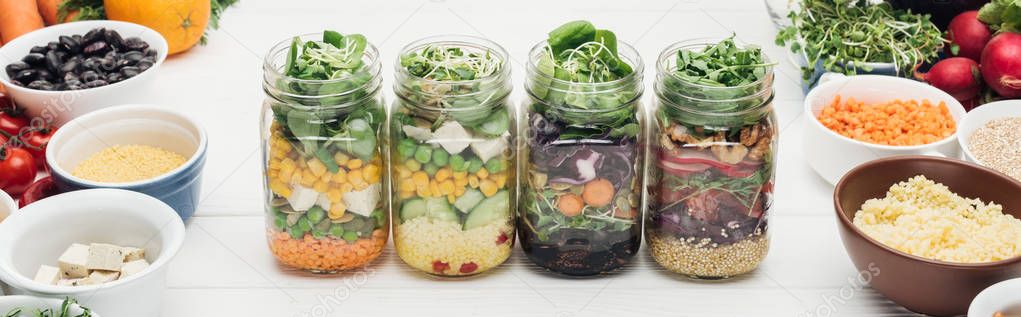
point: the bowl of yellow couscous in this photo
(142, 148)
(930, 233)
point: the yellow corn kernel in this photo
(488, 187)
(321, 186)
(346, 188)
(286, 166)
(272, 174)
(403, 172)
(413, 165)
(423, 191)
(334, 195)
(337, 210)
(284, 176)
(361, 186)
(340, 158)
(295, 179)
(307, 178)
(406, 195)
(406, 184)
(483, 173)
(442, 174)
(280, 189)
(461, 182)
(355, 177)
(420, 178)
(326, 177)
(340, 177)
(354, 164)
(301, 164)
(459, 191)
(316, 167)
(500, 179)
(473, 181)
(371, 173)
(451, 198)
(274, 165)
(461, 175)
(434, 188)
(447, 187)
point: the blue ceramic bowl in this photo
(148, 125)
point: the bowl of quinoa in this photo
(142, 148)
(991, 136)
(930, 233)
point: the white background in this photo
(225, 268)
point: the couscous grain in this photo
(128, 163)
(421, 242)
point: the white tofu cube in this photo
(101, 277)
(452, 137)
(302, 198)
(72, 281)
(363, 202)
(420, 134)
(323, 202)
(132, 254)
(487, 149)
(105, 257)
(48, 275)
(133, 267)
(72, 262)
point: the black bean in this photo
(70, 77)
(130, 71)
(39, 49)
(97, 48)
(53, 46)
(114, 39)
(26, 76)
(89, 76)
(136, 44)
(47, 75)
(150, 52)
(69, 67)
(133, 56)
(143, 65)
(41, 85)
(70, 45)
(96, 83)
(107, 64)
(34, 59)
(115, 77)
(78, 38)
(53, 62)
(96, 34)
(90, 63)
(13, 68)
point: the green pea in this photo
(430, 169)
(353, 225)
(318, 234)
(280, 221)
(297, 233)
(304, 224)
(350, 236)
(440, 157)
(424, 153)
(474, 165)
(406, 149)
(457, 163)
(315, 214)
(337, 231)
(380, 218)
(495, 165)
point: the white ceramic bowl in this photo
(978, 118)
(7, 206)
(40, 232)
(832, 155)
(996, 298)
(30, 304)
(62, 106)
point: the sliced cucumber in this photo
(413, 208)
(469, 200)
(492, 209)
(439, 209)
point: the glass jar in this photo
(323, 165)
(454, 163)
(711, 182)
(583, 157)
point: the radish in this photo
(968, 34)
(958, 76)
(1001, 64)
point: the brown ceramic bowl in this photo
(922, 285)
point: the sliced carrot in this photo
(897, 122)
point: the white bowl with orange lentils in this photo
(143, 148)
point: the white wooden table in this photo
(226, 269)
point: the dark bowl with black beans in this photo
(66, 70)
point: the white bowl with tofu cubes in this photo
(107, 247)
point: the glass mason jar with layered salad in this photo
(582, 156)
(712, 157)
(453, 159)
(321, 125)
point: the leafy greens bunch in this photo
(65, 311)
(1002, 15)
(578, 55)
(842, 35)
(463, 83)
(331, 110)
(718, 78)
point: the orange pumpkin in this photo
(181, 22)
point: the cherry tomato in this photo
(12, 120)
(17, 170)
(35, 142)
(42, 188)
